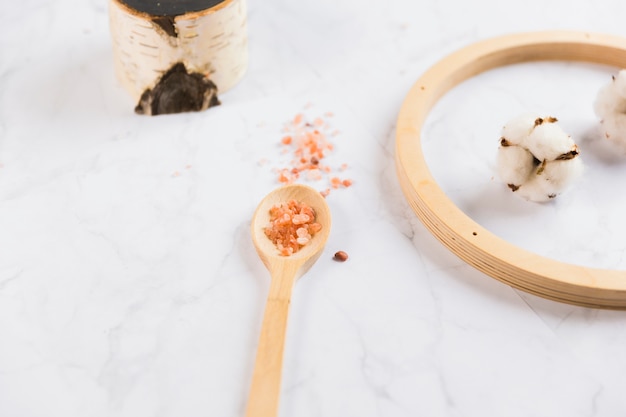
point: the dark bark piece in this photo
(178, 91)
(166, 23)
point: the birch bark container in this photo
(175, 56)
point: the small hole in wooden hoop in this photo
(548, 278)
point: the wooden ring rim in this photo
(521, 269)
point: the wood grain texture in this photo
(548, 278)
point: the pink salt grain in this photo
(308, 142)
(292, 225)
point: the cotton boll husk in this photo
(514, 164)
(548, 141)
(517, 129)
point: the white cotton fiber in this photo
(548, 141)
(518, 129)
(619, 83)
(614, 128)
(551, 179)
(608, 101)
(514, 164)
(535, 190)
(561, 174)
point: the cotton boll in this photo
(544, 164)
(517, 130)
(548, 141)
(514, 165)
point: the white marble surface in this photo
(129, 286)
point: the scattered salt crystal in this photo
(308, 142)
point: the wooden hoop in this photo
(532, 273)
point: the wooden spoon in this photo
(284, 270)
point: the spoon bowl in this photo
(284, 271)
(308, 254)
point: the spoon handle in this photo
(266, 378)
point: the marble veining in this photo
(129, 286)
